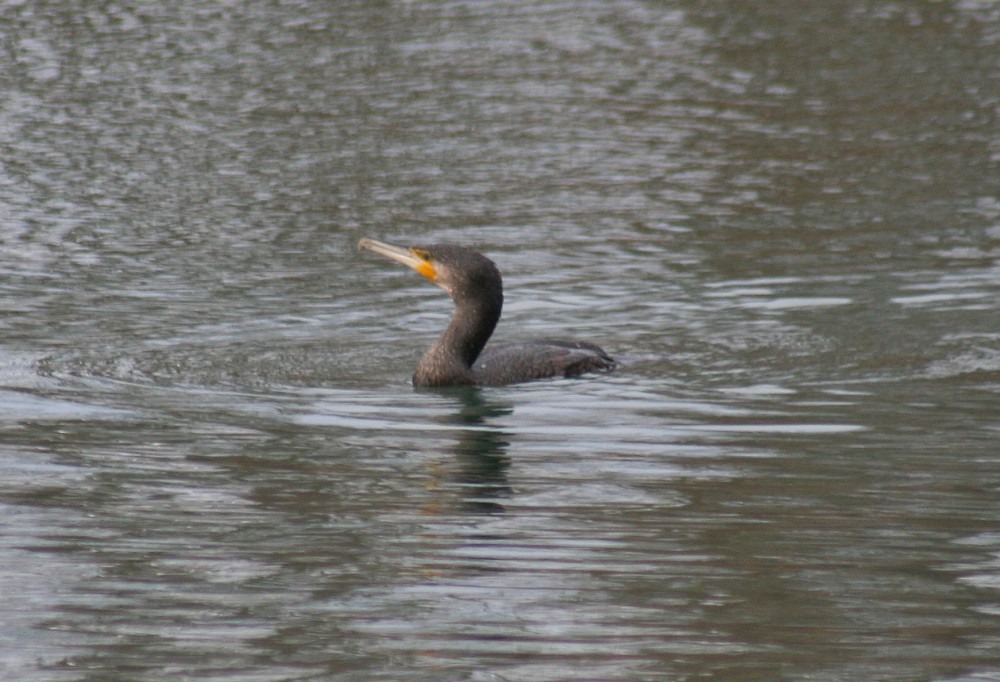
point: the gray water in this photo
(782, 217)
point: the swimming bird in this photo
(458, 357)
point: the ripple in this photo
(791, 303)
(20, 406)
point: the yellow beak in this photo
(418, 259)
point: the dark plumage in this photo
(458, 357)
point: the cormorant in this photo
(457, 358)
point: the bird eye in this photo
(422, 255)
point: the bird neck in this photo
(449, 360)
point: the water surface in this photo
(782, 218)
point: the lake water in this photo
(783, 218)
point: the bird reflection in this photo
(480, 452)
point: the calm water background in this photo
(783, 216)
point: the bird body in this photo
(539, 359)
(460, 356)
